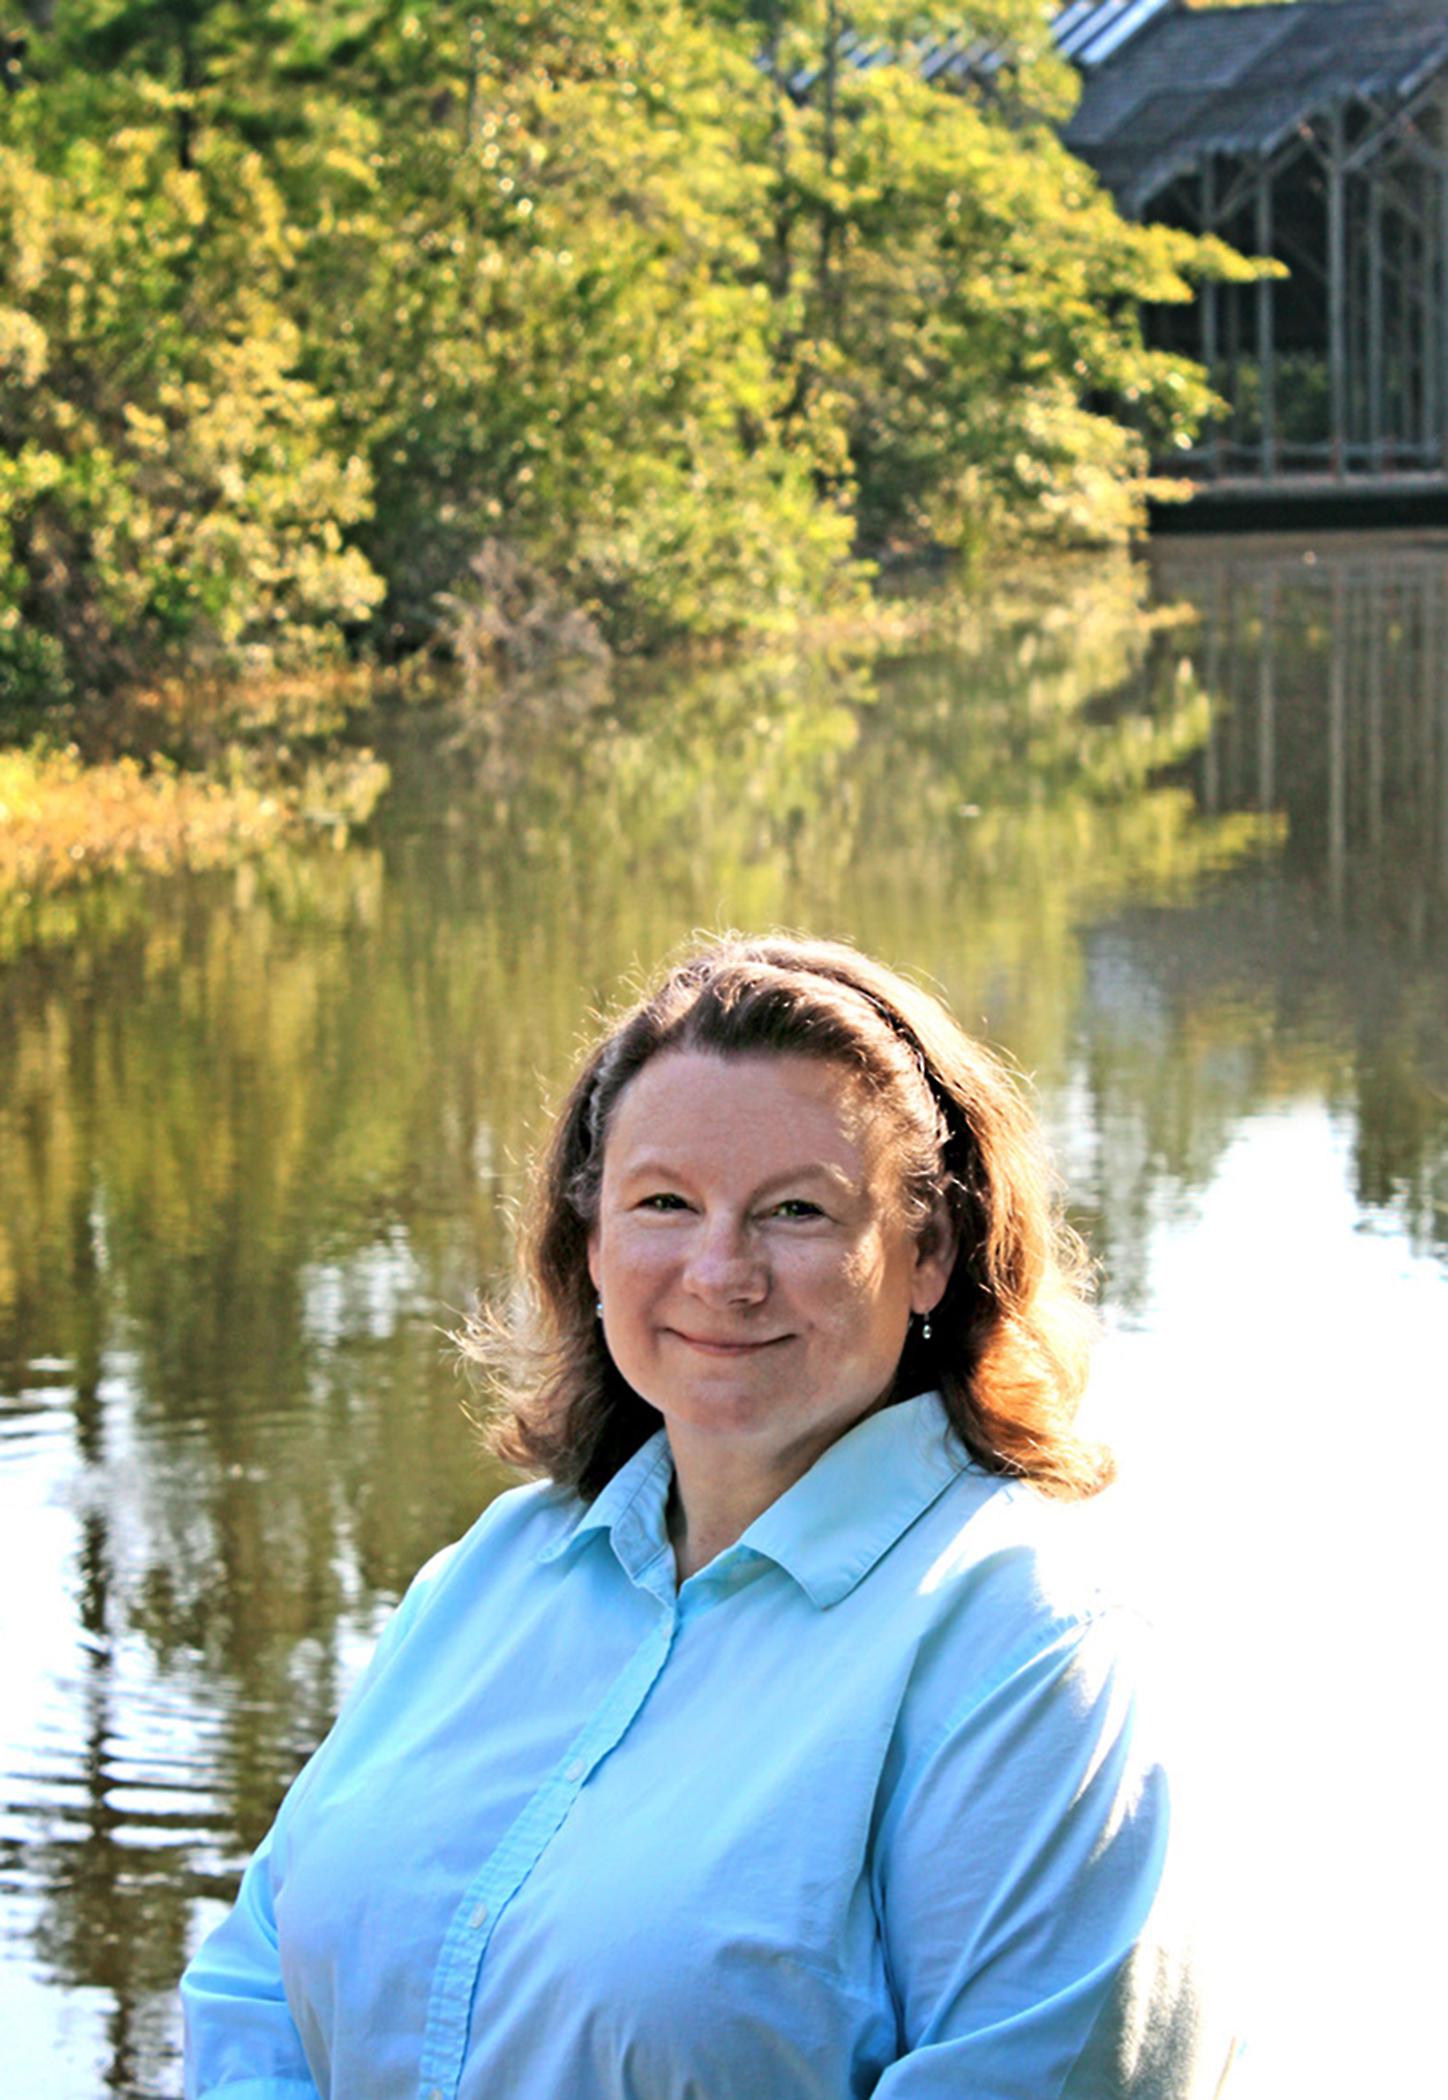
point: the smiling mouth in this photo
(708, 1347)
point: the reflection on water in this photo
(1331, 668)
(1179, 841)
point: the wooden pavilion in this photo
(1315, 132)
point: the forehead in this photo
(748, 1107)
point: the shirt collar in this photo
(829, 1529)
(630, 1508)
(859, 1497)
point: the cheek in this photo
(843, 1288)
(628, 1262)
(863, 1271)
(871, 1295)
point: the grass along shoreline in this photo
(64, 821)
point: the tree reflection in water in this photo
(1182, 854)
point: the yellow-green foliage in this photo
(62, 821)
(301, 303)
(170, 482)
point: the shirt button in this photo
(575, 1768)
(479, 1916)
(434, 2092)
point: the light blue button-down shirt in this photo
(870, 1805)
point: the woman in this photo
(771, 1747)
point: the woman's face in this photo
(756, 1274)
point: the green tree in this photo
(551, 328)
(969, 294)
(302, 301)
(171, 479)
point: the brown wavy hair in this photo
(1010, 1337)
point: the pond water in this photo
(1175, 835)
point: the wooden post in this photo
(1400, 337)
(1432, 324)
(1337, 289)
(1232, 302)
(1266, 327)
(1418, 312)
(1377, 327)
(1442, 307)
(1209, 307)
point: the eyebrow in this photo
(655, 1169)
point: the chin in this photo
(722, 1413)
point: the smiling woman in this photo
(757, 1274)
(776, 1743)
(946, 1144)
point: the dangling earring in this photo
(598, 1309)
(925, 1329)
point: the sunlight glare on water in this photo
(1293, 1549)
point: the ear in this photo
(935, 1252)
(593, 1257)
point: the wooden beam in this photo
(1266, 329)
(1377, 375)
(1442, 316)
(1404, 201)
(1210, 344)
(1233, 300)
(1292, 251)
(1398, 130)
(1337, 290)
(1356, 329)
(1398, 243)
(1241, 192)
(1429, 318)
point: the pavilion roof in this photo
(1194, 82)
(1085, 31)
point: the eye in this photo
(797, 1207)
(665, 1200)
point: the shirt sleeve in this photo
(241, 2040)
(240, 2037)
(1036, 1942)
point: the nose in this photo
(724, 1265)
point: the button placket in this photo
(507, 1869)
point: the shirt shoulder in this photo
(436, 1605)
(1003, 1581)
(1039, 1560)
(512, 1531)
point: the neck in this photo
(716, 1496)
